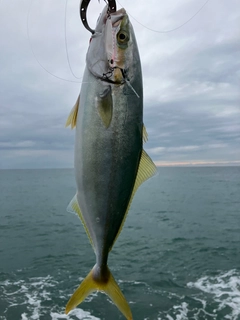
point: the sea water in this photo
(177, 258)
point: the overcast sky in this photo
(191, 79)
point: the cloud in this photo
(191, 80)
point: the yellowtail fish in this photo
(110, 163)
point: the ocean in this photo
(177, 258)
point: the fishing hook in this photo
(83, 11)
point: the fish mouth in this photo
(117, 17)
(118, 73)
(115, 22)
(106, 57)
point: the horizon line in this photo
(158, 163)
(196, 163)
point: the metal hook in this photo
(112, 6)
(83, 12)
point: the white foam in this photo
(181, 312)
(78, 313)
(31, 294)
(132, 282)
(225, 289)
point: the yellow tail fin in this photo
(96, 282)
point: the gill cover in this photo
(102, 51)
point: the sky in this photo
(191, 77)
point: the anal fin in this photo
(73, 207)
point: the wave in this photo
(224, 289)
(211, 296)
(32, 300)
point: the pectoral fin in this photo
(104, 105)
(73, 207)
(72, 118)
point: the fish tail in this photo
(100, 279)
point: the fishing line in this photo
(33, 52)
(171, 30)
(66, 43)
(131, 87)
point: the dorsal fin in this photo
(146, 170)
(72, 118)
(73, 207)
(144, 134)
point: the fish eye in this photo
(122, 37)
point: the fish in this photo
(109, 162)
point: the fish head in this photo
(113, 51)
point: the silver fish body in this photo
(107, 159)
(108, 146)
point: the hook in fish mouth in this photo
(112, 7)
(107, 76)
